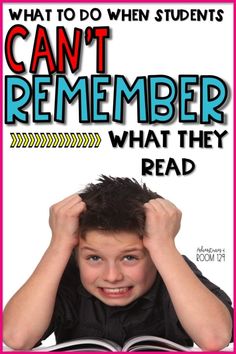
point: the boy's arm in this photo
(203, 316)
(28, 314)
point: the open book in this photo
(136, 344)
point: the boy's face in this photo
(115, 267)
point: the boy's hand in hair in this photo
(162, 224)
(64, 221)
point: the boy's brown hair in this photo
(115, 204)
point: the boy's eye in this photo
(130, 258)
(94, 258)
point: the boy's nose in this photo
(112, 274)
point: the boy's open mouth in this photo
(112, 292)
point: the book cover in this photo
(139, 90)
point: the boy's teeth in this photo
(115, 290)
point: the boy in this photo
(112, 270)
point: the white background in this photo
(34, 179)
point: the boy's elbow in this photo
(214, 345)
(215, 342)
(16, 340)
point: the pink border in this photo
(120, 1)
(1, 102)
(1, 160)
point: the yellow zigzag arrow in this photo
(56, 139)
(86, 139)
(73, 140)
(49, 144)
(98, 139)
(26, 140)
(14, 140)
(91, 140)
(37, 140)
(62, 140)
(20, 140)
(31, 140)
(68, 140)
(44, 140)
(48, 140)
(80, 139)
